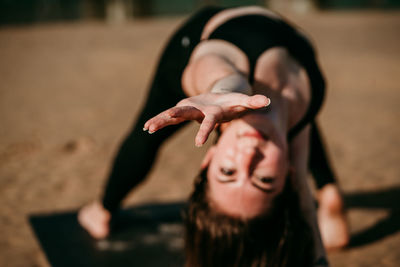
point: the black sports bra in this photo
(254, 34)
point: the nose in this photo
(248, 154)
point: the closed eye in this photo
(227, 171)
(264, 188)
(266, 180)
(226, 175)
(264, 183)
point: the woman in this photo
(226, 61)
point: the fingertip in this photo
(260, 101)
(152, 129)
(268, 102)
(198, 144)
(198, 141)
(146, 125)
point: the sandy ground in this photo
(69, 93)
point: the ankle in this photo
(330, 199)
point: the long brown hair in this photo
(213, 239)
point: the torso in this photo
(276, 74)
(228, 14)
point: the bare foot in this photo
(95, 219)
(332, 218)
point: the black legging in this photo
(318, 162)
(138, 151)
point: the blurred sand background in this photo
(69, 93)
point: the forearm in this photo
(234, 83)
(212, 73)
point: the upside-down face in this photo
(247, 168)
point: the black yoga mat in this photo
(148, 235)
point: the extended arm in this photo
(207, 109)
(218, 92)
(212, 72)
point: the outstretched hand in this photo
(207, 109)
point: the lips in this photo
(254, 134)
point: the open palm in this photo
(207, 109)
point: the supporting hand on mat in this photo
(207, 109)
